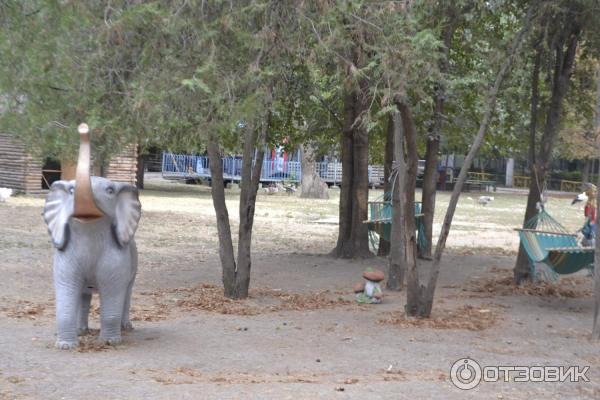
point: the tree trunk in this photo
(139, 173)
(360, 201)
(563, 66)
(422, 306)
(313, 186)
(585, 171)
(429, 192)
(384, 245)
(248, 188)
(396, 260)
(236, 276)
(433, 142)
(522, 268)
(353, 234)
(413, 287)
(226, 255)
(343, 247)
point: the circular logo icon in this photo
(465, 373)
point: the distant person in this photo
(589, 211)
(279, 159)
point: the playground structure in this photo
(181, 166)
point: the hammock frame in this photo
(379, 223)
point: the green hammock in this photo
(380, 222)
(546, 241)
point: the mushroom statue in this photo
(369, 292)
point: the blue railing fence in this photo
(182, 166)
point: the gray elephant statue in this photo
(92, 222)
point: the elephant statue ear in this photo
(127, 214)
(57, 211)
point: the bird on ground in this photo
(579, 198)
(5, 193)
(271, 189)
(290, 189)
(484, 200)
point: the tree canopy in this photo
(168, 73)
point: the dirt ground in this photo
(300, 335)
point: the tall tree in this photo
(176, 72)
(449, 18)
(398, 31)
(420, 300)
(345, 31)
(244, 80)
(397, 262)
(353, 234)
(564, 24)
(408, 205)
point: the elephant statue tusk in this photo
(85, 207)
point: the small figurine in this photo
(370, 292)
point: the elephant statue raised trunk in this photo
(85, 207)
(92, 222)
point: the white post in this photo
(335, 172)
(450, 168)
(510, 169)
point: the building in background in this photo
(27, 174)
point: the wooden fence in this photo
(521, 181)
(18, 170)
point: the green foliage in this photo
(578, 136)
(171, 73)
(56, 75)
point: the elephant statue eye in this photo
(110, 190)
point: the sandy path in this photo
(184, 347)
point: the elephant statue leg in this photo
(125, 321)
(126, 324)
(112, 301)
(84, 311)
(68, 301)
